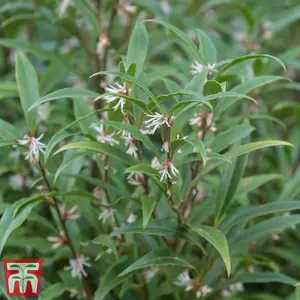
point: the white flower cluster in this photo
(184, 280)
(35, 147)
(77, 266)
(197, 68)
(166, 170)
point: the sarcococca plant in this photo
(150, 156)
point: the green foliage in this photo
(129, 147)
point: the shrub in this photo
(149, 158)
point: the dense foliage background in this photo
(182, 179)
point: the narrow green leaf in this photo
(251, 183)
(217, 239)
(56, 139)
(245, 88)
(226, 138)
(138, 47)
(160, 257)
(111, 279)
(8, 224)
(148, 206)
(99, 147)
(64, 93)
(28, 89)
(162, 228)
(292, 188)
(142, 168)
(106, 241)
(67, 162)
(207, 49)
(265, 228)
(198, 144)
(8, 89)
(54, 291)
(247, 57)
(191, 46)
(245, 213)
(86, 11)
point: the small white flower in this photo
(165, 6)
(196, 68)
(70, 214)
(155, 164)
(117, 89)
(80, 295)
(77, 266)
(125, 7)
(35, 147)
(168, 170)
(166, 146)
(131, 218)
(130, 142)
(251, 268)
(236, 288)
(205, 290)
(150, 274)
(44, 111)
(16, 182)
(146, 131)
(266, 32)
(63, 7)
(210, 124)
(135, 179)
(226, 293)
(183, 279)
(157, 120)
(57, 240)
(240, 37)
(102, 44)
(68, 46)
(197, 120)
(211, 68)
(106, 214)
(103, 136)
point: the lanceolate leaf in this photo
(199, 147)
(148, 205)
(251, 183)
(217, 239)
(111, 278)
(28, 89)
(191, 46)
(237, 151)
(247, 57)
(138, 47)
(245, 88)
(54, 291)
(162, 228)
(69, 160)
(207, 49)
(263, 229)
(99, 147)
(230, 136)
(245, 213)
(142, 168)
(64, 93)
(259, 277)
(8, 223)
(160, 257)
